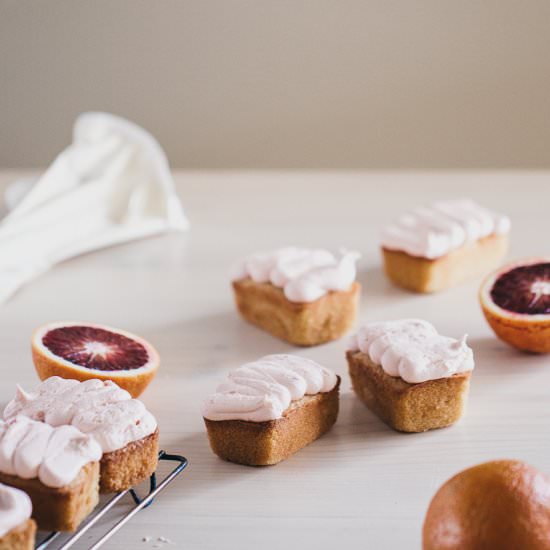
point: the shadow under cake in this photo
(267, 443)
(303, 324)
(408, 407)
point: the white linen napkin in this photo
(111, 185)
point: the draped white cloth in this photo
(112, 184)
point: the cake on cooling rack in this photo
(126, 431)
(58, 468)
(17, 529)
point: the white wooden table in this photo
(362, 485)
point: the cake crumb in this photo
(157, 542)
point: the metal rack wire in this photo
(155, 488)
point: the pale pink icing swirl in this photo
(413, 350)
(31, 449)
(97, 407)
(264, 389)
(15, 508)
(304, 274)
(435, 230)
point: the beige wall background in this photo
(284, 84)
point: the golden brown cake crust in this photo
(267, 443)
(424, 275)
(130, 465)
(63, 508)
(20, 538)
(408, 407)
(301, 324)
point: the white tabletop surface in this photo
(360, 486)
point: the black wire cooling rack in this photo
(155, 487)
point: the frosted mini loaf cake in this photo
(441, 245)
(409, 375)
(269, 409)
(57, 467)
(125, 430)
(304, 296)
(17, 529)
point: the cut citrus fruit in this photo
(83, 351)
(516, 303)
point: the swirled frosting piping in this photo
(15, 508)
(95, 407)
(31, 449)
(435, 230)
(413, 350)
(304, 274)
(263, 390)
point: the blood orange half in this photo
(516, 303)
(83, 351)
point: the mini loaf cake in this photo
(413, 378)
(126, 431)
(444, 244)
(17, 529)
(304, 296)
(271, 408)
(57, 467)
